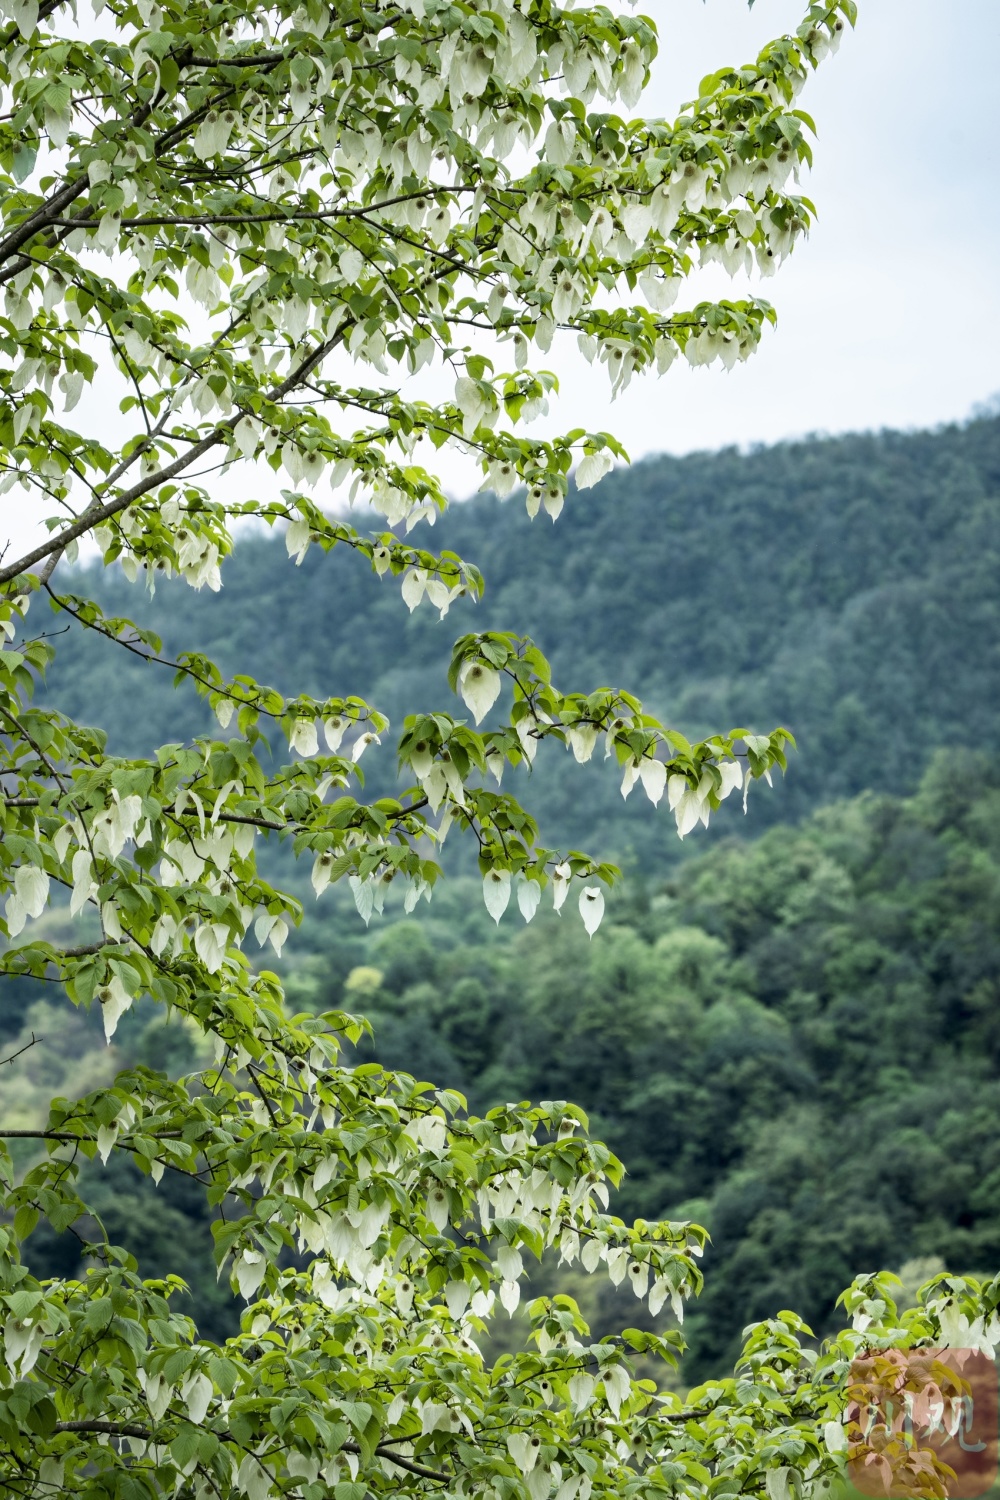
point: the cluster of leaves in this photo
(346, 186)
(414, 1219)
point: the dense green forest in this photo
(794, 1034)
(844, 587)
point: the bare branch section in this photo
(133, 1430)
(21, 1050)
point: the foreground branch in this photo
(93, 517)
(133, 1430)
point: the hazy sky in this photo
(887, 313)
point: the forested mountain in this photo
(845, 587)
(795, 1041)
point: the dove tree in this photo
(230, 237)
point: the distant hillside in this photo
(849, 588)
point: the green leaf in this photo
(185, 1445)
(24, 160)
(25, 1220)
(346, 1490)
(23, 1304)
(224, 1373)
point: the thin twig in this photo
(308, 215)
(16, 1054)
(78, 1140)
(267, 1103)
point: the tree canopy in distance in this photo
(230, 235)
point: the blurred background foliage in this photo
(792, 1032)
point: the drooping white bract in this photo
(303, 737)
(582, 738)
(479, 685)
(529, 893)
(28, 898)
(496, 892)
(361, 744)
(364, 897)
(413, 587)
(690, 805)
(731, 773)
(653, 774)
(297, 540)
(591, 908)
(321, 871)
(561, 877)
(115, 1000)
(334, 730)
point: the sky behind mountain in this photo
(884, 313)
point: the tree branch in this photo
(308, 215)
(43, 1135)
(251, 818)
(94, 516)
(403, 1462)
(266, 1101)
(133, 1430)
(114, 1429)
(16, 1054)
(76, 1140)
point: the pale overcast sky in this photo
(887, 313)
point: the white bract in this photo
(591, 908)
(496, 892)
(115, 1000)
(480, 687)
(529, 894)
(592, 469)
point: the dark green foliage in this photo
(167, 1229)
(795, 1041)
